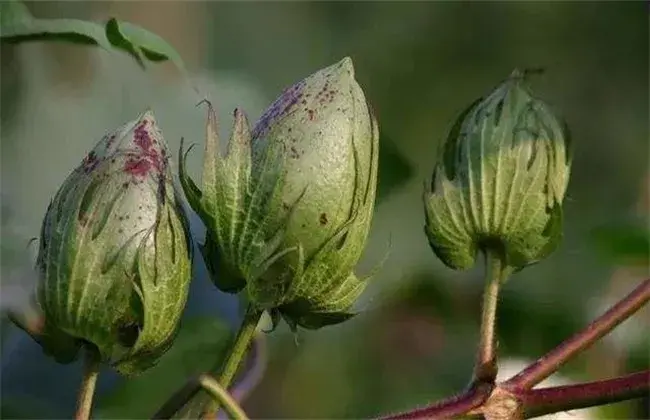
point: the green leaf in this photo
(18, 25)
(394, 169)
(200, 343)
(625, 243)
(141, 43)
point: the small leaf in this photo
(627, 244)
(141, 43)
(200, 344)
(18, 25)
(394, 168)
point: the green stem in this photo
(236, 354)
(485, 370)
(220, 395)
(92, 365)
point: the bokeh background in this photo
(420, 64)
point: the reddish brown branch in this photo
(548, 364)
(449, 408)
(537, 402)
(550, 400)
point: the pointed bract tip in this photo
(238, 113)
(147, 115)
(347, 65)
(516, 74)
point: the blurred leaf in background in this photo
(394, 168)
(625, 244)
(24, 408)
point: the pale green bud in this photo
(500, 181)
(288, 209)
(114, 258)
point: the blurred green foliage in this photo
(24, 408)
(420, 64)
(627, 244)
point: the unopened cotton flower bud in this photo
(114, 258)
(500, 180)
(288, 209)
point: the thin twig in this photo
(537, 402)
(223, 397)
(548, 364)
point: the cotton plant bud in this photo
(288, 208)
(114, 258)
(500, 181)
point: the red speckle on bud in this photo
(146, 157)
(137, 166)
(142, 138)
(114, 212)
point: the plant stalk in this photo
(485, 369)
(551, 362)
(535, 402)
(236, 354)
(92, 364)
(220, 394)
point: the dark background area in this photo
(419, 64)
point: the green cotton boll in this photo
(114, 260)
(500, 181)
(288, 208)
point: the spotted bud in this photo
(288, 208)
(114, 259)
(500, 181)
